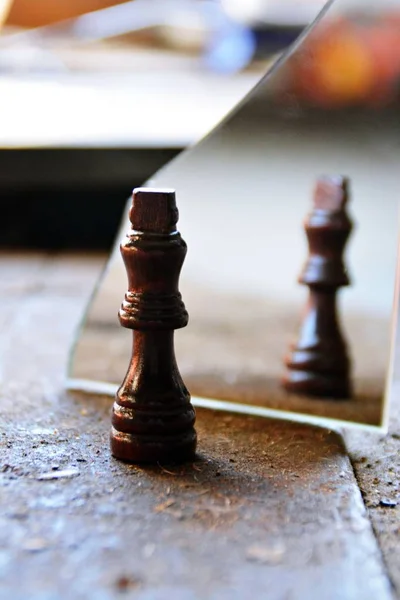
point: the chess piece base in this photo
(318, 385)
(142, 449)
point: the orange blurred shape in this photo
(34, 13)
(383, 41)
(336, 68)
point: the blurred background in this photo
(96, 95)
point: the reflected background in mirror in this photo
(243, 194)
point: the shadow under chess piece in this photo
(319, 365)
(153, 419)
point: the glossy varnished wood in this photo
(153, 419)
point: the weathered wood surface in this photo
(376, 464)
(268, 509)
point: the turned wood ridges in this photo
(153, 419)
(318, 364)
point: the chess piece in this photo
(153, 419)
(318, 365)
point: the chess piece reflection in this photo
(153, 419)
(319, 365)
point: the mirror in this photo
(243, 194)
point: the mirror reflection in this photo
(289, 209)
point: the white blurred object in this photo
(293, 13)
(277, 12)
(115, 110)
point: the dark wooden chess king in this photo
(153, 419)
(319, 365)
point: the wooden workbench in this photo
(268, 510)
